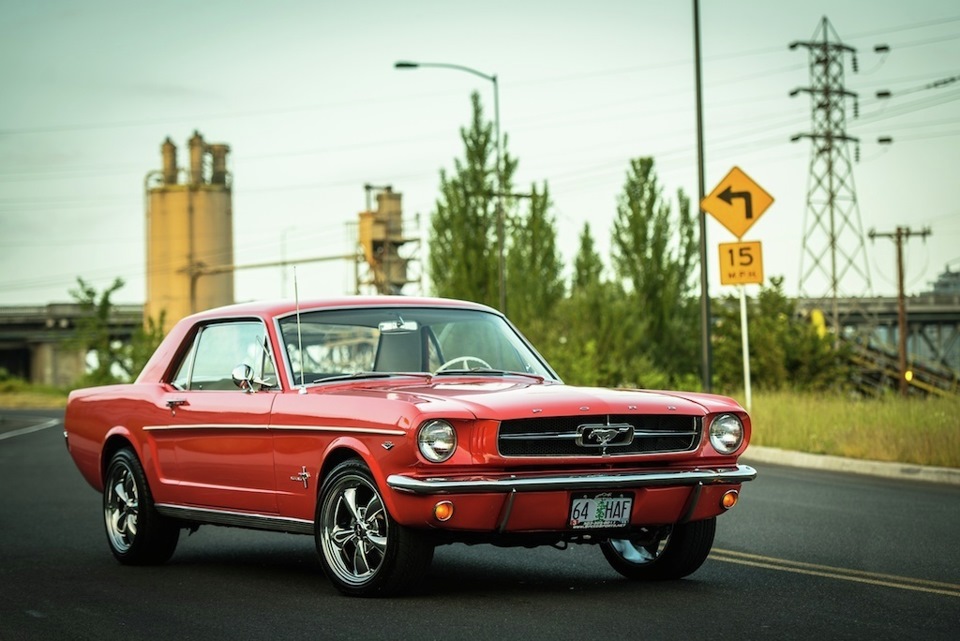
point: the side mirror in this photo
(245, 379)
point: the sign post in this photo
(745, 336)
(737, 203)
(741, 264)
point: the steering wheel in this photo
(464, 359)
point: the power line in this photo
(379, 98)
(909, 27)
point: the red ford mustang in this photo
(386, 426)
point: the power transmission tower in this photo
(833, 264)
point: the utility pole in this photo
(898, 236)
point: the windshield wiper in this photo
(487, 372)
(366, 375)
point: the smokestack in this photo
(196, 158)
(219, 152)
(169, 152)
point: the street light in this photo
(706, 356)
(405, 64)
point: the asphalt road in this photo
(805, 555)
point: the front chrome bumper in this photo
(608, 481)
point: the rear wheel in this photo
(136, 533)
(670, 552)
(363, 550)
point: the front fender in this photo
(382, 457)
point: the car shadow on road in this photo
(457, 570)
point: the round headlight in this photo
(437, 441)
(726, 433)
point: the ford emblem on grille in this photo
(604, 435)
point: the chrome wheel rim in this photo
(354, 530)
(121, 507)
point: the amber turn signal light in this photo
(443, 510)
(729, 499)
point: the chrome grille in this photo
(564, 435)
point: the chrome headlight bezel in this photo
(437, 440)
(726, 433)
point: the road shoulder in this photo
(906, 471)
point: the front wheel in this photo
(136, 533)
(363, 550)
(670, 552)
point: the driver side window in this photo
(218, 349)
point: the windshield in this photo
(349, 343)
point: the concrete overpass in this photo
(37, 341)
(933, 321)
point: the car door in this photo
(218, 434)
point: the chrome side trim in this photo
(284, 428)
(205, 426)
(607, 481)
(347, 430)
(235, 519)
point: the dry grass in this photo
(31, 400)
(15, 394)
(921, 431)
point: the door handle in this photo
(174, 403)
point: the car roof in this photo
(272, 308)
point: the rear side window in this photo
(218, 349)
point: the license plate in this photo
(600, 510)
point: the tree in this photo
(144, 343)
(535, 283)
(464, 250)
(114, 360)
(593, 330)
(786, 352)
(587, 266)
(655, 255)
(93, 331)
(578, 349)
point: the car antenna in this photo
(296, 296)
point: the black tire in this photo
(363, 551)
(136, 533)
(667, 553)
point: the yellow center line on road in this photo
(830, 572)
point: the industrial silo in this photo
(189, 232)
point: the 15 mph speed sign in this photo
(741, 263)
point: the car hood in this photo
(509, 397)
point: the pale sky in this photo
(306, 95)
